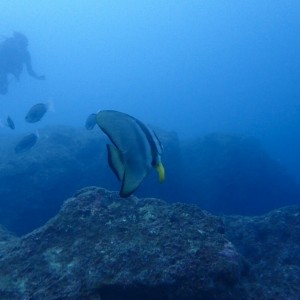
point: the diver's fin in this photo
(131, 180)
(115, 160)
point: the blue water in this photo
(195, 67)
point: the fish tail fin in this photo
(37, 133)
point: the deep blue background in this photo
(191, 66)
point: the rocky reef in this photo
(271, 244)
(100, 246)
(220, 173)
(230, 174)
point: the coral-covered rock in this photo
(7, 239)
(271, 244)
(101, 246)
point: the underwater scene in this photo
(149, 150)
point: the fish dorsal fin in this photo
(133, 177)
(115, 161)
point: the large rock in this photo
(234, 175)
(7, 239)
(100, 246)
(271, 244)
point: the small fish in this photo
(8, 123)
(90, 122)
(135, 151)
(26, 143)
(37, 111)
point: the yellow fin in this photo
(161, 172)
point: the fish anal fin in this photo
(131, 180)
(115, 161)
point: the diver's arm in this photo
(30, 71)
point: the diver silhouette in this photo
(13, 55)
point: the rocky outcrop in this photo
(100, 246)
(271, 244)
(220, 173)
(7, 239)
(234, 175)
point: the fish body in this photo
(26, 143)
(36, 112)
(90, 122)
(10, 123)
(135, 151)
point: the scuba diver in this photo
(13, 55)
